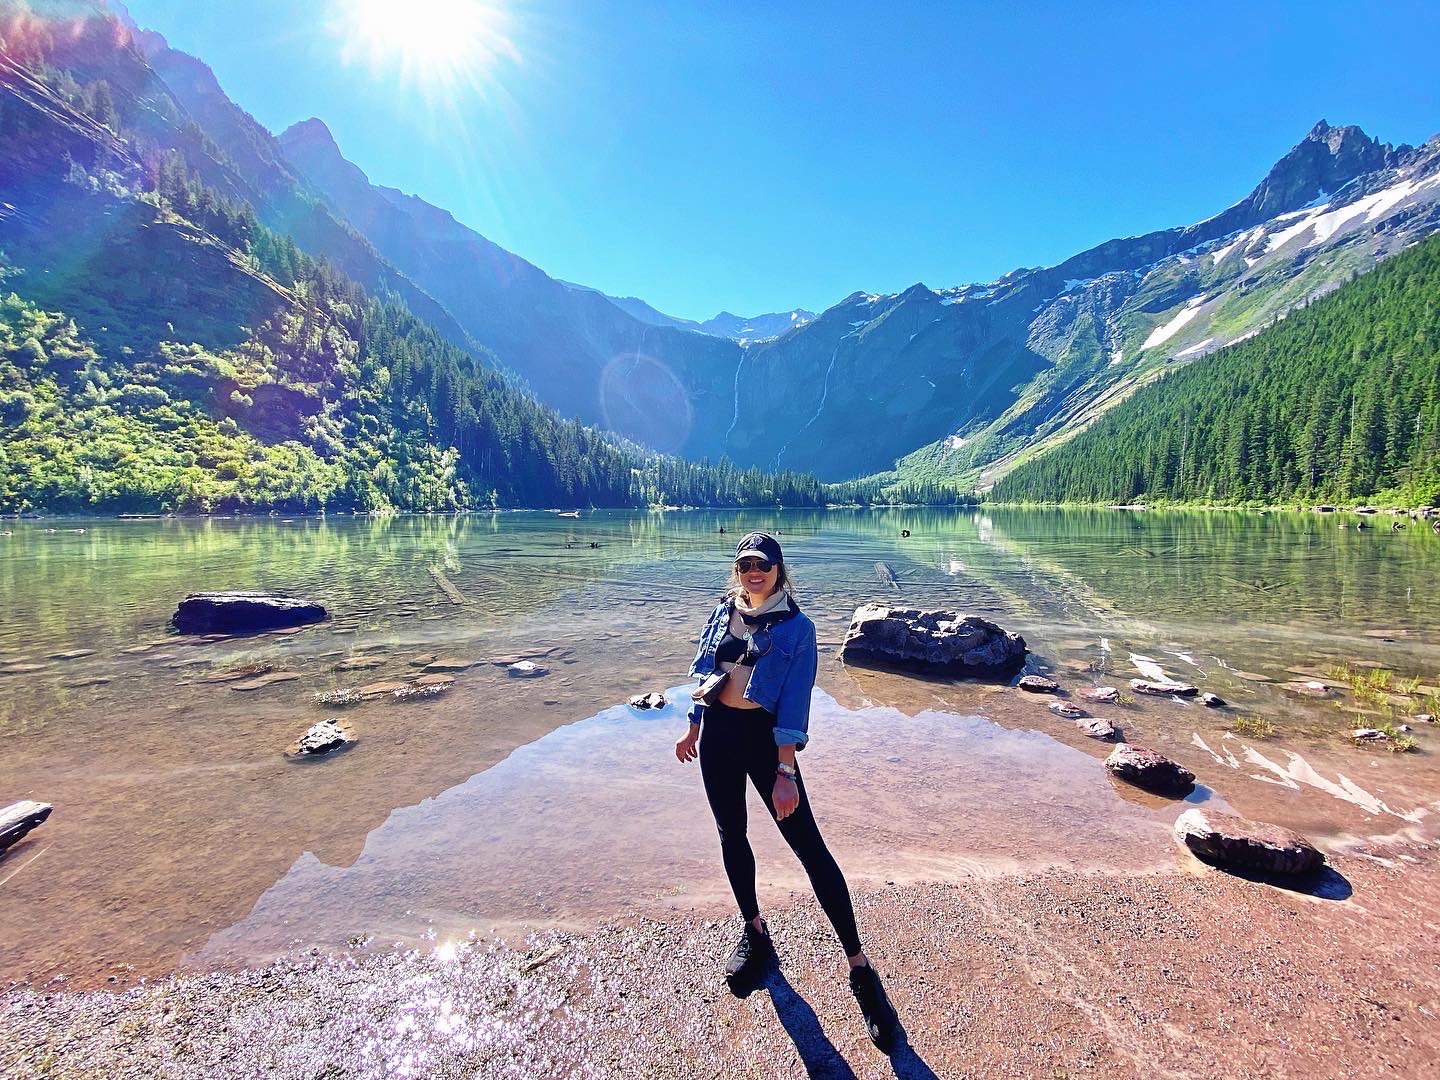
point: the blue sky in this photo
(767, 156)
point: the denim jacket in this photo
(782, 679)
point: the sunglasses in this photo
(746, 566)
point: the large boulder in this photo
(931, 643)
(1237, 843)
(1150, 770)
(243, 612)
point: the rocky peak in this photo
(1324, 161)
(311, 149)
(310, 137)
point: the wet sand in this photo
(1186, 972)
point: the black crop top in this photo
(731, 649)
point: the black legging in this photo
(735, 743)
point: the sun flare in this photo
(441, 45)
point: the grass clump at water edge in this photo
(1254, 726)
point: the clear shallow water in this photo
(180, 829)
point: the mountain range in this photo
(959, 382)
(955, 384)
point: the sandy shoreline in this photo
(1190, 972)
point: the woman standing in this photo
(757, 661)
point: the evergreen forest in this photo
(1339, 402)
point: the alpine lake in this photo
(183, 835)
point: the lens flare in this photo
(443, 47)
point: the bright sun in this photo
(441, 45)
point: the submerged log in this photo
(17, 819)
(454, 595)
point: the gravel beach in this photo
(1183, 973)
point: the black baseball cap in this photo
(761, 544)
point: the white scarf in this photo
(774, 602)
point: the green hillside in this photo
(162, 349)
(1340, 401)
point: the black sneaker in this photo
(750, 955)
(881, 1023)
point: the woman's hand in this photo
(785, 796)
(685, 747)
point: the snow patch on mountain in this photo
(1199, 347)
(1162, 334)
(1325, 223)
(1241, 242)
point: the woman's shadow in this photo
(816, 1050)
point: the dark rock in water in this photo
(322, 738)
(1097, 728)
(1234, 842)
(1101, 693)
(380, 689)
(359, 663)
(652, 700)
(20, 669)
(71, 654)
(931, 643)
(17, 819)
(1150, 770)
(244, 671)
(449, 664)
(1038, 684)
(1164, 689)
(1066, 708)
(243, 612)
(268, 679)
(1213, 701)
